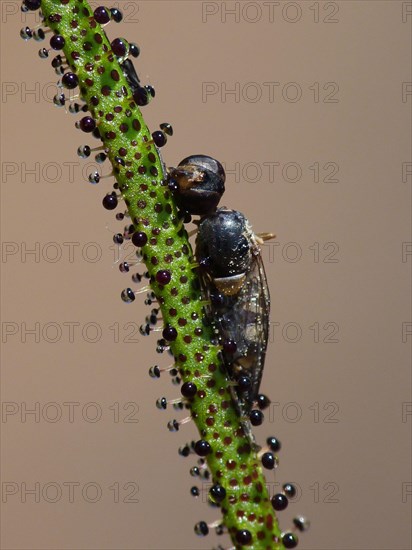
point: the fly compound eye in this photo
(200, 184)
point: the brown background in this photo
(340, 408)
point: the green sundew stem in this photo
(141, 178)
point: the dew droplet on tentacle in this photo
(202, 447)
(86, 124)
(166, 128)
(75, 108)
(201, 529)
(58, 61)
(273, 444)
(95, 177)
(269, 460)
(100, 158)
(26, 33)
(301, 523)
(155, 371)
(84, 151)
(217, 493)
(188, 390)
(57, 42)
(262, 401)
(162, 403)
(102, 15)
(120, 48)
(256, 417)
(70, 81)
(289, 540)
(31, 5)
(174, 425)
(279, 502)
(59, 100)
(118, 238)
(289, 490)
(159, 138)
(143, 95)
(128, 295)
(116, 15)
(134, 49)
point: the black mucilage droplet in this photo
(274, 444)
(243, 536)
(268, 461)
(188, 390)
(202, 448)
(169, 333)
(87, 124)
(139, 238)
(163, 277)
(116, 15)
(279, 502)
(301, 523)
(263, 401)
(94, 177)
(159, 138)
(166, 128)
(84, 151)
(151, 90)
(201, 529)
(217, 493)
(70, 81)
(161, 403)
(128, 295)
(256, 417)
(110, 201)
(134, 50)
(57, 61)
(57, 42)
(289, 540)
(141, 96)
(102, 15)
(244, 383)
(59, 100)
(39, 35)
(26, 33)
(120, 47)
(100, 157)
(32, 5)
(118, 238)
(289, 490)
(43, 53)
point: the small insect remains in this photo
(131, 75)
(199, 183)
(232, 277)
(141, 94)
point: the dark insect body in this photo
(199, 182)
(234, 279)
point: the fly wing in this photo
(254, 302)
(244, 319)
